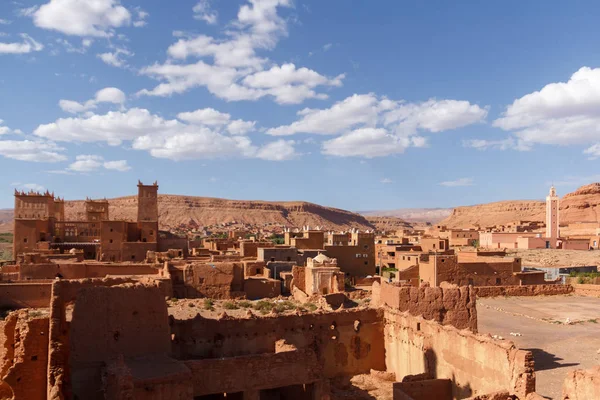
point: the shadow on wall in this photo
(431, 364)
(546, 361)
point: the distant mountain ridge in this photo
(416, 215)
(177, 211)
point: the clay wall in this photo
(309, 240)
(274, 268)
(576, 244)
(483, 271)
(27, 233)
(355, 261)
(136, 252)
(250, 248)
(129, 320)
(439, 389)
(113, 234)
(406, 260)
(260, 288)
(447, 306)
(346, 342)
(83, 270)
(586, 290)
(476, 364)
(149, 233)
(147, 202)
(530, 290)
(23, 372)
(434, 244)
(299, 278)
(34, 206)
(582, 384)
(214, 280)
(253, 268)
(277, 254)
(473, 255)
(25, 295)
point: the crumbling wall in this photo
(83, 270)
(476, 364)
(299, 277)
(582, 384)
(448, 306)
(214, 280)
(25, 295)
(529, 290)
(25, 360)
(346, 342)
(260, 288)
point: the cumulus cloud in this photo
(386, 181)
(116, 58)
(92, 163)
(106, 95)
(279, 150)
(458, 182)
(96, 18)
(562, 113)
(230, 67)
(32, 150)
(203, 11)
(370, 126)
(189, 137)
(27, 45)
(141, 17)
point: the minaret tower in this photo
(552, 203)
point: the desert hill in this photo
(190, 212)
(582, 205)
(416, 215)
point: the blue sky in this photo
(361, 105)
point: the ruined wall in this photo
(129, 320)
(346, 343)
(23, 371)
(82, 270)
(136, 251)
(582, 384)
(586, 290)
(25, 295)
(214, 280)
(531, 290)
(476, 364)
(260, 288)
(299, 277)
(250, 249)
(448, 306)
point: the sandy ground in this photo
(557, 258)
(557, 346)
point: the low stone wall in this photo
(447, 306)
(587, 290)
(582, 384)
(525, 290)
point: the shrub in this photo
(230, 305)
(209, 304)
(245, 304)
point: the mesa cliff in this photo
(582, 205)
(192, 212)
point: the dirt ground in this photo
(556, 258)
(562, 332)
(209, 308)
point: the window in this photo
(471, 281)
(151, 232)
(498, 281)
(257, 271)
(110, 241)
(443, 260)
(25, 240)
(133, 256)
(366, 263)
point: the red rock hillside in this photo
(582, 205)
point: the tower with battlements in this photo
(552, 217)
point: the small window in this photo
(25, 240)
(498, 281)
(133, 256)
(111, 229)
(366, 263)
(471, 281)
(257, 271)
(110, 241)
(151, 232)
(272, 258)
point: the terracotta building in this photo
(40, 226)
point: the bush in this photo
(209, 304)
(230, 305)
(245, 304)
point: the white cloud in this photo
(28, 45)
(141, 17)
(91, 163)
(366, 142)
(164, 138)
(372, 126)
(29, 150)
(116, 58)
(386, 181)
(240, 127)
(106, 95)
(230, 67)
(279, 150)
(327, 46)
(458, 182)
(213, 118)
(70, 48)
(202, 11)
(593, 151)
(563, 113)
(81, 17)
(503, 144)
(4, 21)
